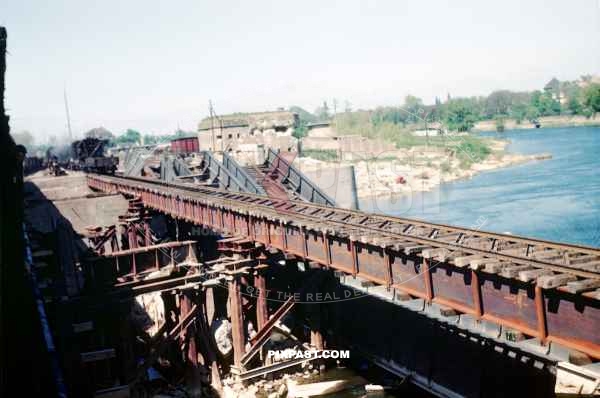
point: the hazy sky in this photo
(155, 65)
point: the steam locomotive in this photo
(89, 155)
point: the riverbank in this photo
(545, 122)
(418, 169)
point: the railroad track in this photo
(575, 268)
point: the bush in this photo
(445, 167)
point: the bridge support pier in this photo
(189, 341)
(237, 321)
(262, 313)
(260, 284)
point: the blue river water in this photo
(555, 199)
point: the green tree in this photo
(574, 106)
(304, 119)
(413, 105)
(498, 103)
(591, 98)
(532, 113)
(129, 137)
(518, 112)
(460, 115)
(545, 103)
(322, 112)
(499, 123)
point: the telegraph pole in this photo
(68, 115)
(212, 123)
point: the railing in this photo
(220, 173)
(238, 172)
(300, 183)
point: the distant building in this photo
(246, 135)
(433, 129)
(319, 129)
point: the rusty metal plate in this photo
(450, 283)
(314, 246)
(341, 254)
(406, 272)
(512, 303)
(573, 317)
(372, 262)
(295, 240)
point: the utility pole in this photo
(212, 123)
(68, 115)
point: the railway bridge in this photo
(535, 302)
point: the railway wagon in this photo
(185, 145)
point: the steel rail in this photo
(271, 206)
(474, 232)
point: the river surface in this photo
(556, 199)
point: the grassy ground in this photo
(326, 155)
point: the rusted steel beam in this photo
(540, 310)
(237, 321)
(326, 249)
(186, 305)
(426, 274)
(476, 289)
(354, 266)
(264, 333)
(260, 283)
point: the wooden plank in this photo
(513, 271)
(552, 281)
(546, 254)
(466, 260)
(582, 285)
(438, 252)
(494, 266)
(532, 274)
(415, 249)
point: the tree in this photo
(532, 113)
(498, 103)
(304, 119)
(460, 115)
(414, 105)
(553, 86)
(303, 114)
(129, 137)
(518, 112)
(151, 139)
(322, 112)
(591, 98)
(574, 106)
(545, 103)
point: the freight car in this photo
(89, 155)
(185, 145)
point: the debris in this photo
(314, 389)
(373, 388)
